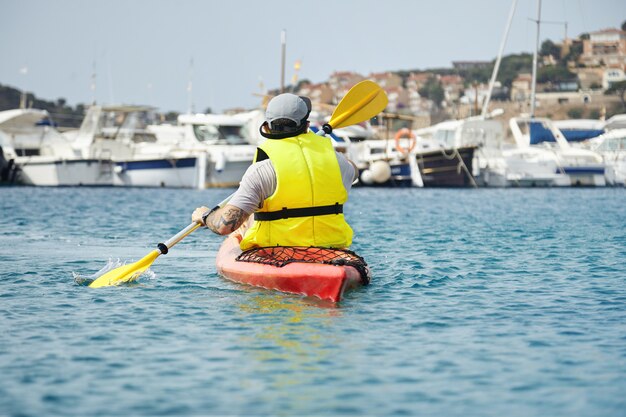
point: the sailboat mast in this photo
(283, 43)
(533, 87)
(190, 106)
(496, 68)
(93, 84)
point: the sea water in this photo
(484, 302)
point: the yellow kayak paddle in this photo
(362, 102)
(130, 272)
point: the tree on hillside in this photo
(553, 73)
(301, 83)
(9, 98)
(618, 88)
(432, 90)
(172, 116)
(60, 112)
(624, 25)
(481, 75)
(512, 65)
(575, 51)
(550, 48)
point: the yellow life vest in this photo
(307, 207)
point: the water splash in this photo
(86, 280)
(79, 279)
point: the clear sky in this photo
(142, 49)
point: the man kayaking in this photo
(296, 186)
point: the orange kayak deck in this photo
(324, 281)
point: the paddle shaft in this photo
(165, 246)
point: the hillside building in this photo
(605, 48)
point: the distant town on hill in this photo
(582, 77)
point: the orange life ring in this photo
(405, 133)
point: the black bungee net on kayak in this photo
(282, 255)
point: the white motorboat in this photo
(37, 154)
(617, 121)
(612, 147)
(120, 134)
(223, 139)
(378, 161)
(496, 163)
(531, 167)
(26, 131)
(583, 166)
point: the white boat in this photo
(496, 162)
(612, 147)
(26, 131)
(617, 121)
(531, 167)
(445, 153)
(223, 139)
(37, 154)
(582, 166)
(120, 134)
(378, 161)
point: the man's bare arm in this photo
(222, 221)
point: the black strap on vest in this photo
(286, 213)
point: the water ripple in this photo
(484, 302)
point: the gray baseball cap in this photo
(288, 106)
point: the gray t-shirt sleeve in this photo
(259, 182)
(349, 172)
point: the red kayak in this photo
(311, 271)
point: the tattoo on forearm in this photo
(232, 218)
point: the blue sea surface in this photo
(483, 302)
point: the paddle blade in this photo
(126, 273)
(362, 102)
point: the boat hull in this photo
(52, 172)
(400, 176)
(162, 172)
(323, 281)
(226, 175)
(446, 167)
(180, 172)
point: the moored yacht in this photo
(457, 152)
(120, 134)
(224, 139)
(612, 147)
(582, 166)
(35, 153)
(379, 162)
